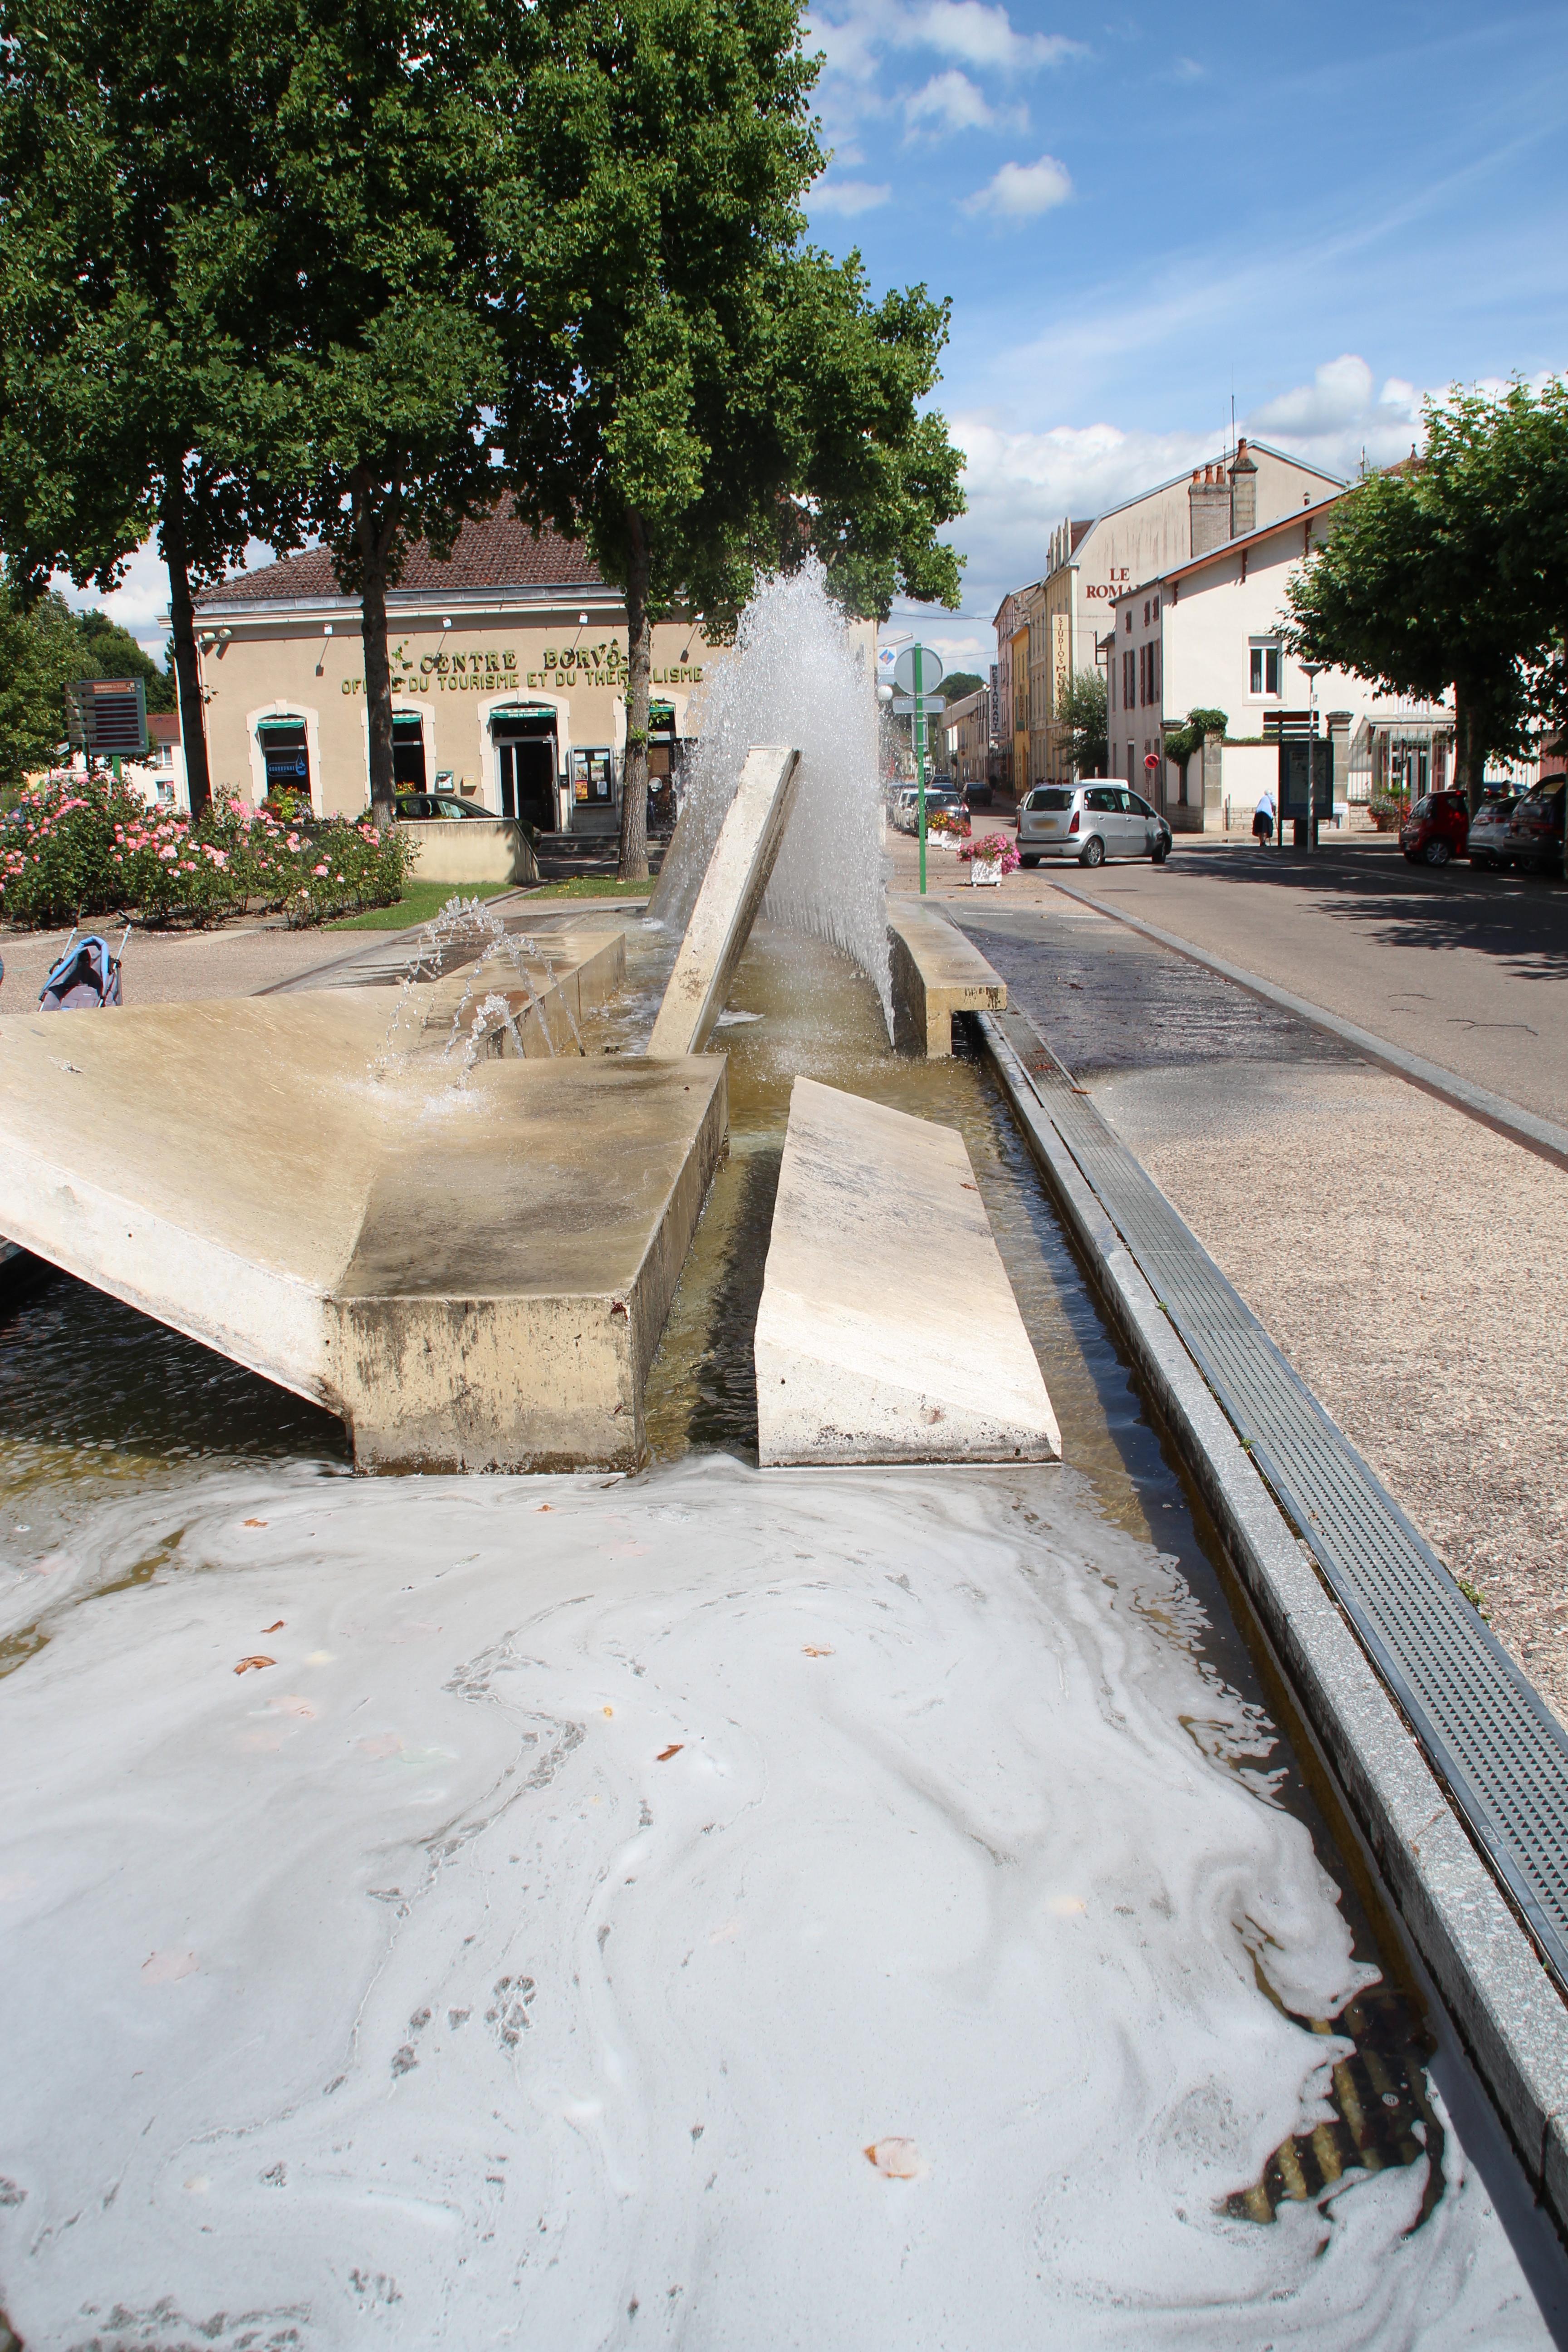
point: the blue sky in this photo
(1329, 210)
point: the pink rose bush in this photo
(994, 850)
(75, 846)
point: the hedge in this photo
(74, 846)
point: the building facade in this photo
(1012, 771)
(1209, 634)
(966, 725)
(1092, 563)
(509, 681)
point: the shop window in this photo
(592, 782)
(409, 751)
(285, 757)
(1264, 675)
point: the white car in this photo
(1089, 823)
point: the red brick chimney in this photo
(1208, 500)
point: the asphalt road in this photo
(1470, 971)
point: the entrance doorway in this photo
(409, 751)
(525, 767)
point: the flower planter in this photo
(986, 873)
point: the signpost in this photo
(917, 668)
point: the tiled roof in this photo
(497, 551)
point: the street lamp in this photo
(1312, 671)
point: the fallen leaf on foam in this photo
(896, 2159)
(609, 1710)
(256, 1523)
(168, 1967)
(274, 1629)
(547, 1507)
(810, 1651)
(254, 1665)
(1066, 1907)
(665, 1753)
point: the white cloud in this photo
(855, 34)
(848, 198)
(1188, 69)
(136, 604)
(951, 101)
(983, 35)
(1021, 191)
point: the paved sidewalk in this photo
(169, 967)
(1392, 1246)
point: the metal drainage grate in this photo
(1486, 1729)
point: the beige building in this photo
(966, 726)
(1013, 694)
(509, 681)
(1091, 564)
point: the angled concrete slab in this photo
(732, 890)
(887, 1329)
(936, 972)
(473, 1276)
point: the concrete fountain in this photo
(858, 1901)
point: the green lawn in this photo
(419, 903)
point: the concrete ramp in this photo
(732, 890)
(887, 1329)
(473, 1277)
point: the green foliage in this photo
(689, 387)
(1448, 574)
(1085, 716)
(113, 652)
(1181, 742)
(41, 653)
(959, 683)
(75, 847)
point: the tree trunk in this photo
(639, 663)
(1469, 751)
(374, 534)
(182, 627)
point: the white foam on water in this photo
(795, 675)
(818, 1909)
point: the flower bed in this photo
(1388, 815)
(995, 849)
(77, 847)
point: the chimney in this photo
(1243, 493)
(1208, 497)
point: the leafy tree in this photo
(114, 652)
(131, 296)
(1085, 716)
(1181, 742)
(43, 648)
(393, 189)
(957, 683)
(1448, 572)
(689, 388)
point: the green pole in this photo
(921, 759)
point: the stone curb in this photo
(1506, 2008)
(1542, 1136)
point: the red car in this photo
(1438, 828)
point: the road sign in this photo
(904, 704)
(931, 668)
(1150, 762)
(108, 716)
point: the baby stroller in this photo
(87, 977)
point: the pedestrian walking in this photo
(1263, 820)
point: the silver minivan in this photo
(1089, 823)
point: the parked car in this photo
(1488, 831)
(1089, 823)
(428, 804)
(1535, 831)
(1436, 829)
(906, 816)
